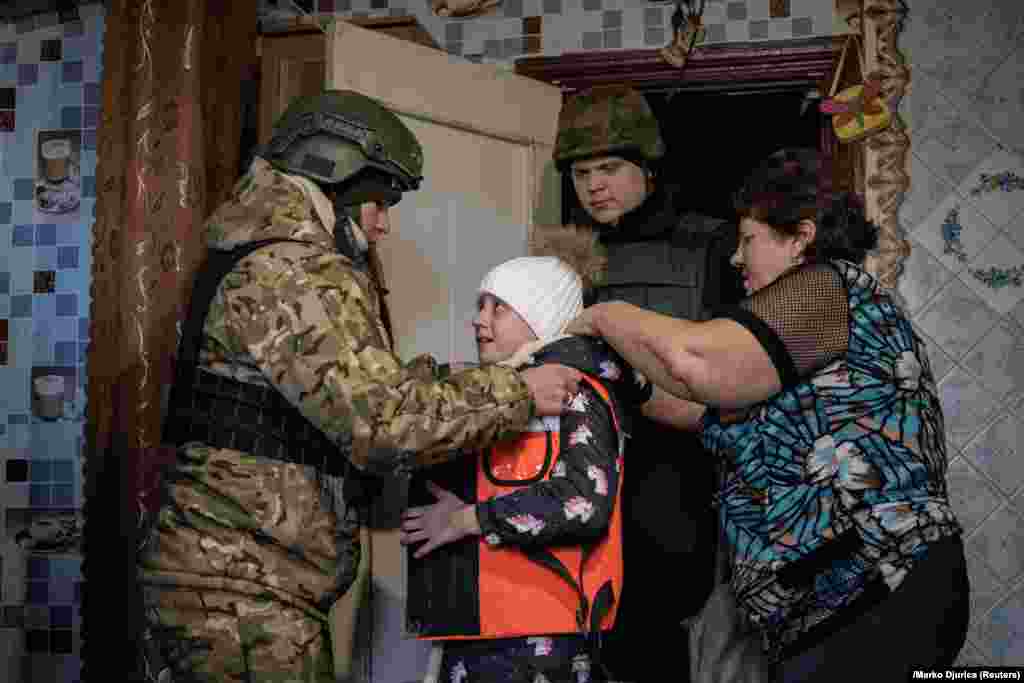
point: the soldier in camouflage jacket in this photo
(295, 393)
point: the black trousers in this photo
(921, 625)
(669, 535)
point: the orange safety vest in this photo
(521, 591)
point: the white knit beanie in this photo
(544, 290)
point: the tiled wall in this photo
(964, 282)
(49, 90)
(518, 28)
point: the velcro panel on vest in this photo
(657, 276)
(649, 263)
(442, 597)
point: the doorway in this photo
(715, 138)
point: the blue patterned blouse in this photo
(839, 480)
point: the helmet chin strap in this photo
(347, 241)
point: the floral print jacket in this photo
(575, 503)
(839, 480)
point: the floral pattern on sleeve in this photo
(575, 503)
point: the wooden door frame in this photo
(811, 61)
(876, 168)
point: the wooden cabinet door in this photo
(487, 137)
(292, 63)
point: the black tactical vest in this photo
(665, 262)
(659, 259)
(667, 276)
(225, 413)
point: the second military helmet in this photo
(337, 135)
(607, 120)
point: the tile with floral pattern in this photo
(997, 274)
(996, 187)
(955, 233)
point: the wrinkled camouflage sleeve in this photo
(311, 325)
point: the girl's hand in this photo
(446, 521)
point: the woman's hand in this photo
(446, 521)
(592, 321)
(585, 324)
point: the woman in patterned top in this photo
(818, 396)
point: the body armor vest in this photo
(471, 590)
(665, 276)
(225, 413)
(660, 261)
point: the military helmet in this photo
(332, 136)
(607, 120)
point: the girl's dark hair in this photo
(786, 188)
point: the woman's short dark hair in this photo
(786, 188)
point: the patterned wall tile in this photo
(714, 13)
(1014, 231)
(46, 275)
(1018, 312)
(967, 407)
(923, 276)
(997, 360)
(1002, 641)
(953, 42)
(938, 359)
(736, 11)
(973, 497)
(970, 655)
(803, 27)
(758, 9)
(1000, 543)
(997, 274)
(986, 588)
(996, 186)
(998, 101)
(927, 191)
(956, 319)
(998, 451)
(951, 143)
(955, 233)
(737, 31)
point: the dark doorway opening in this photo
(713, 139)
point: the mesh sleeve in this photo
(802, 320)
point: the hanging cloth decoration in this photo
(463, 8)
(860, 110)
(687, 32)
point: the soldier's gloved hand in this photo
(551, 386)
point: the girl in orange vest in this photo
(516, 562)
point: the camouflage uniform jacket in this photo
(301, 318)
